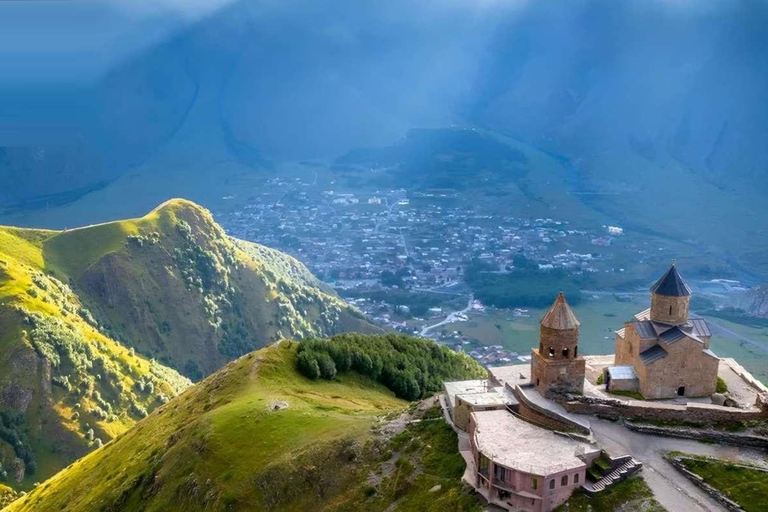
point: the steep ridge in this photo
(257, 435)
(65, 387)
(92, 321)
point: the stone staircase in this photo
(628, 468)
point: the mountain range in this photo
(100, 325)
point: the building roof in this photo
(699, 327)
(671, 284)
(623, 372)
(465, 387)
(672, 335)
(512, 374)
(560, 316)
(652, 354)
(644, 329)
(518, 445)
(496, 396)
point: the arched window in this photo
(670, 310)
(551, 352)
(564, 480)
(576, 351)
(552, 484)
(565, 353)
(576, 478)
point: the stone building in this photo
(521, 467)
(662, 352)
(557, 363)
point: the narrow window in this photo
(576, 478)
(552, 484)
(534, 483)
(565, 353)
(670, 310)
(576, 351)
(537, 381)
(551, 352)
(564, 480)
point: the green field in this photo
(746, 486)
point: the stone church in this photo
(556, 364)
(663, 352)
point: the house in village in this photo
(663, 352)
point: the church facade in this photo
(663, 352)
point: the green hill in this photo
(93, 319)
(259, 435)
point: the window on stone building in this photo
(552, 484)
(565, 353)
(551, 352)
(564, 480)
(576, 478)
(538, 381)
(670, 310)
(576, 351)
(534, 483)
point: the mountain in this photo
(65, 386)
(92, 321)
(258, 435)
(656, 101)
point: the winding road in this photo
(452, 317)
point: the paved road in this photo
(671, 488)
(448, 319)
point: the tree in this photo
(307, 364)
(327, 366)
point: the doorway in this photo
(681, 391)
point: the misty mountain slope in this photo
(174, 286)
(257, 435)
(65, 386)
(630, 93)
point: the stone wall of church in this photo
(557, 340)
(564, 374)
(685, 366)
(669, 310)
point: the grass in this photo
(747, 487)
(635, 395)
(631, 494)
(132, 280)
(223, 432)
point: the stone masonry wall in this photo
(635, 409)
(562, 374)
(660, 307)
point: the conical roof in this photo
(671, 284)
(560, 315)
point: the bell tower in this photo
(670, 299)
(557, 363)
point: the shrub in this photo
(600, 379)
(722, 387)
(308, 366)
(411, 367)
(327, 366)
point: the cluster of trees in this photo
(11, 431)
(411, 367)
(525, 286)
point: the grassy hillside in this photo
(93, 319)
(173, 286)
(258, 435)
(65, 387)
